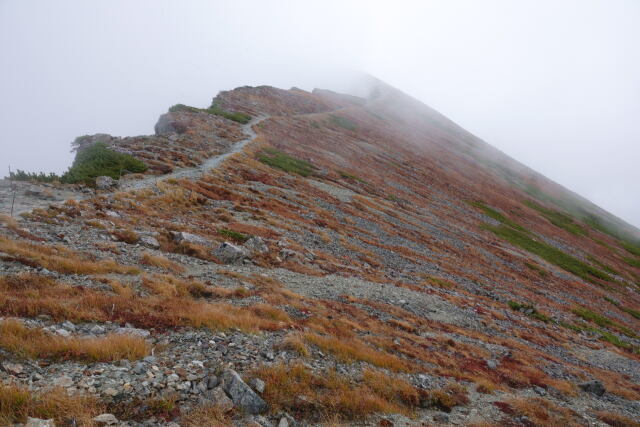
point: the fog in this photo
(554, 84)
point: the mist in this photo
(554, 84)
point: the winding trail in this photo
(195, 172)
(27, 199)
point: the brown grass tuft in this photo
(148, 258)
(60, 259)
(17, 403)
(36, 344)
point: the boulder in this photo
(12, 368)
(37, 422)
(106, 419)
(149, 242)
(594, 387)
(256, 245)
(170, 123)
(142, 333)
(229, 253)
(105, 183)
(241, 394)
(181, 236)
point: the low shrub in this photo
(343, 122)
(600, 320)
(279, 160)
(548, 253)
(558, 219)
(215, 110)
(492, 213)
(21, 175)
(233, 235)
(98, 160)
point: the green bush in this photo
(21, 175)
(631, 311)
(633, 262)
(492, 213)
(278, 159)
(347, 175)
(558, 219)
(233, 235)
(215, 110)
(548, 253)
(98, 160)
(343, 122)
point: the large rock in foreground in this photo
(241, 394)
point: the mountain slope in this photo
(366, 258)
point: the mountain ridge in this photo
(359, 260)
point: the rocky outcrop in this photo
(228, 253)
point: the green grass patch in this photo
(343, 122)
(548, 253)
(530, 310)
(279, 160)
(98, 160)
(604, 335)
(233, 235)
(347, 175)
(602, 321)
(603, 266)
(215, 110)
(492, 213)
(612, 301)
(558, 219)
(541, 271)
(631, 311)
(633, 262)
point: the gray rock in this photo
(136, 332)
(257, 384)
(181, 236)
(106, 419)
(594, 387)
(63, 381)
(285, 254)
(97, 330)
(491, 364)
(105, 183)
(218, 396)
(150, 242)
(212, 382)
(241, 394)
(286, 421)
(37, 422)
(256, 245)
(229, 253)
(12, 368)
(441, 418)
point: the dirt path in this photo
(29, 196)
(196, 172)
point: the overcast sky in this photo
(555, 84)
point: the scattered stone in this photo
(492, 364)
(97, 330)
(37, 422)
(256, 245)
(286, 421)
(212, 381)
(285, 254)
(441, 418)
(150, 242)
(241, 394)
(112, 214)
(594, 387)
(63, 381)
(105, 183)
(229, 253)
(136, 332)
(12, 368)
(106, 419)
